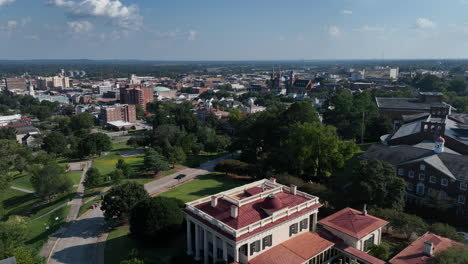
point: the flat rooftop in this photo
(260, 205)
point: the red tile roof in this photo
(248, 213)
(341, 245)
(413, 254)
(353, 222)
(294, 251)
(258, 230)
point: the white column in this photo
(236, 254)
(314, 222)
(225, 258)
(215, 249)
(205, 246)
(197, 242)
(189, 238)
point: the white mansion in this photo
(268, 223)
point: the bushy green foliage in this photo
(120, 199)
(235, 167)
(381, 251)
(153, 218)
(446, 230)
(453, 255)
(402, 223)
(154, 161)
(55, 143)
(12, 235)
(93, 144)
(376, 184)
(94, 178)
(49, 180)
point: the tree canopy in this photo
(120, 199)
(49, 180)
(153, 218)
(55, 143)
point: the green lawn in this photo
(119, 244)
(21, 180)
(75, 176)
(203, 186)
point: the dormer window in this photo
(422, 167)
(444, 182)
(411, 174)
(463, 186)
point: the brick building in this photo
(13, 84)
(137, 95)
(124, 113)
(430, 152)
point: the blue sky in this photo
(233, 29)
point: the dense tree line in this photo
(27, 105)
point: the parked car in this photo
(180, 176)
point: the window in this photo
(401, 171)
(444, 182)
(304, 223)
(443, 195)
(422, 167)
(410, 187)
(463, 186)
(254, 247)
(368, 243)
(420, 189)
(411, 174)
(293, 229)
(432, 179)
(267, 241)
(422, 176)
(461, 199)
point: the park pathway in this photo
(21, 189)
(83, 240)
(78, 199)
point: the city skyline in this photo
(241, 30)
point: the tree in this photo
(140, 112)
(235, 167)
(93, 144)
(452, 255)
(381, 251)
(405, 224)
(8, 133)
(175, 155)
(300, 112)
(49, 180)
(153, 218)
(430, 83)
(446, 230)
(24, 256)
(154, 161)
(93, 178)
(12, 235)
(315, 151)
(116, 176)
(55, 143)
(127, 171)
(83, 121)
(376, 184)
(120, 199)
(458, 85)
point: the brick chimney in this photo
(214, 201)
(234, 211)
(428, 248)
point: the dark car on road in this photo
(180, 176)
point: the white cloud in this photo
(79, 27)
(424, 23)
(192, 35)
(347, 12)
(125, 16)
(5, 2)
(12, 25)
(334, 31)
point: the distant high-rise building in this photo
(137, 95)
(125, 113)
(16, 84)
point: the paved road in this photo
(83, 241)
(78, 199)
(168, 182)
